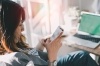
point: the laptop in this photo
(88, 33)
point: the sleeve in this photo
(38, 53)
(43, 55)
(20, 59)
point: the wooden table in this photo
(95, 51)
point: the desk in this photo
(95, 51)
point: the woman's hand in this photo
(40, 45)
(53, 47)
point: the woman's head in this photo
(12, 17)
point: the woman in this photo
(18, 53)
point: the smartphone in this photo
(56, 33)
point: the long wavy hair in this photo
(11, 13)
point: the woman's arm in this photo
(52, 49)
(40, 45)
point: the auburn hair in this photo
(11, 13)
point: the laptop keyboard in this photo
(87, 37)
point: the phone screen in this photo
(56, 33)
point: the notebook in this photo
(88, 33)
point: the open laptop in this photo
(88, 33)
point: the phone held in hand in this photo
(56, 33)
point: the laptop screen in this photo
(90, 23)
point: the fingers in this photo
(44, 40)
(60, 34)
(59, 41)
(48, 36)
(56, 41)
(47, 41)
(59, 37)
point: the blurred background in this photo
(43, 17)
